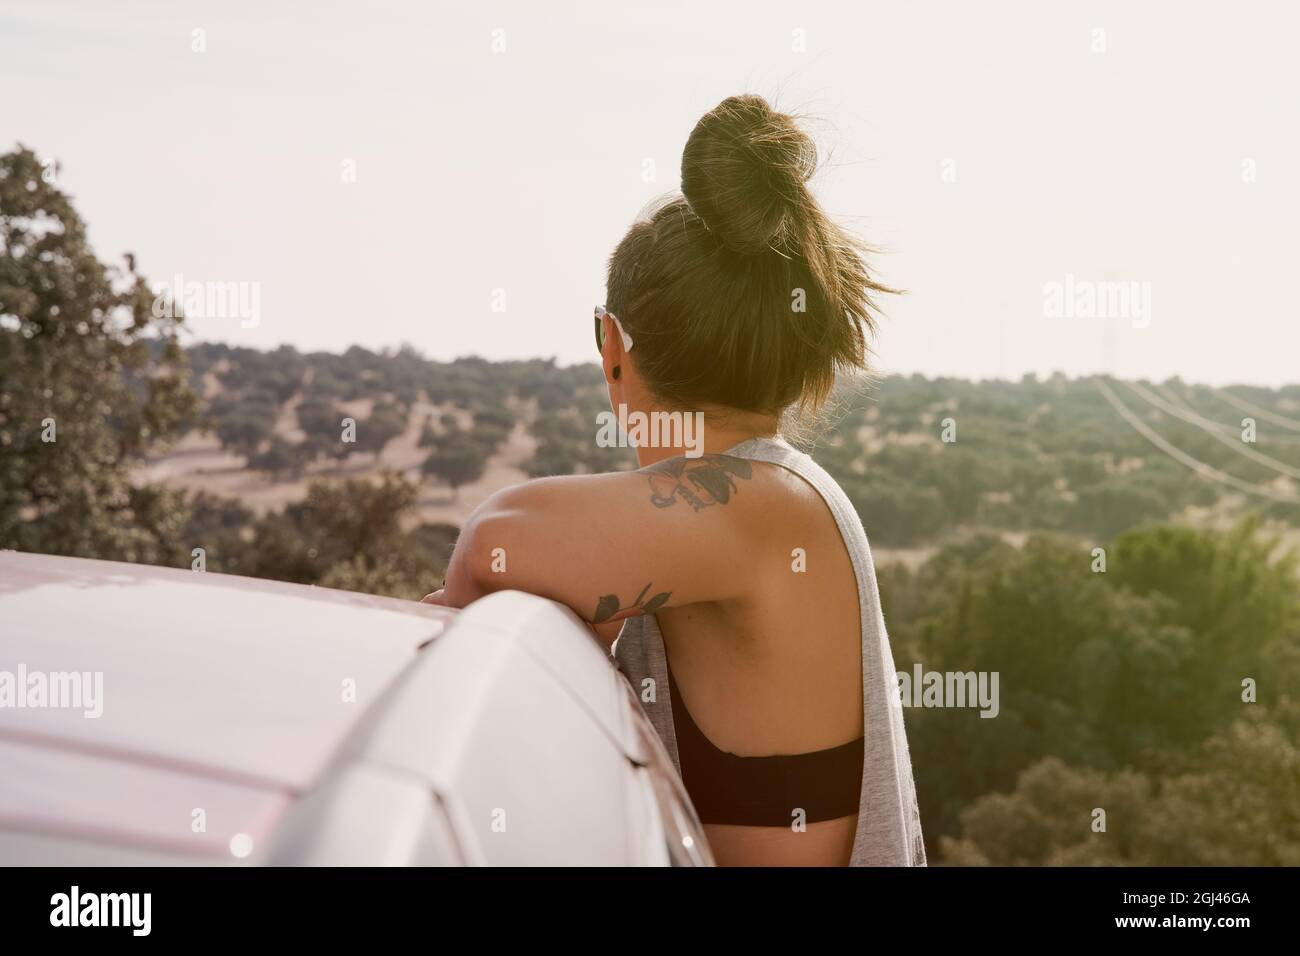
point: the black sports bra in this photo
(764, 791)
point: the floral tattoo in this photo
(609, 608)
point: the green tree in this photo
(282, 457)
(242, 426)
(457, 460)
(322, 426)
(1127, 671)
(1233, 801)
(91, 376)
(387, 420)
(346, 534)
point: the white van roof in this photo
(213, 692)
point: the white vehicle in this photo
(163, 717)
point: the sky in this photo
(455, 175)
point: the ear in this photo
(612, 354)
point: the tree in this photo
(457, 460)
(282, 457)
(346, 534)
(492, 426)
(1130, 670)
(1234, 801)
(387, 420)
(242, 426)
(91, 376)
(322, 426)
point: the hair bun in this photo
(743, 172)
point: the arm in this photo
(612, 546)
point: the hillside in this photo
(1083, 457)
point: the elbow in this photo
(481, 562)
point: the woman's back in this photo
(798, 666)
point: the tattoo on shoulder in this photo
(609, 607)
(700, 482)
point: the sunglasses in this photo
(601, 312)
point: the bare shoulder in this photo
(683, 531)
(712, 481)
(682, 498)
(695, 505)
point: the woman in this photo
(741, 578)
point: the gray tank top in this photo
(889, 824)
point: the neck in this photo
(721, 430)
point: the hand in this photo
(434, 598)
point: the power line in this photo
(1183, 402)
(1208, 472)
(1252, 409)
(1212, 429)
(1169, 395)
